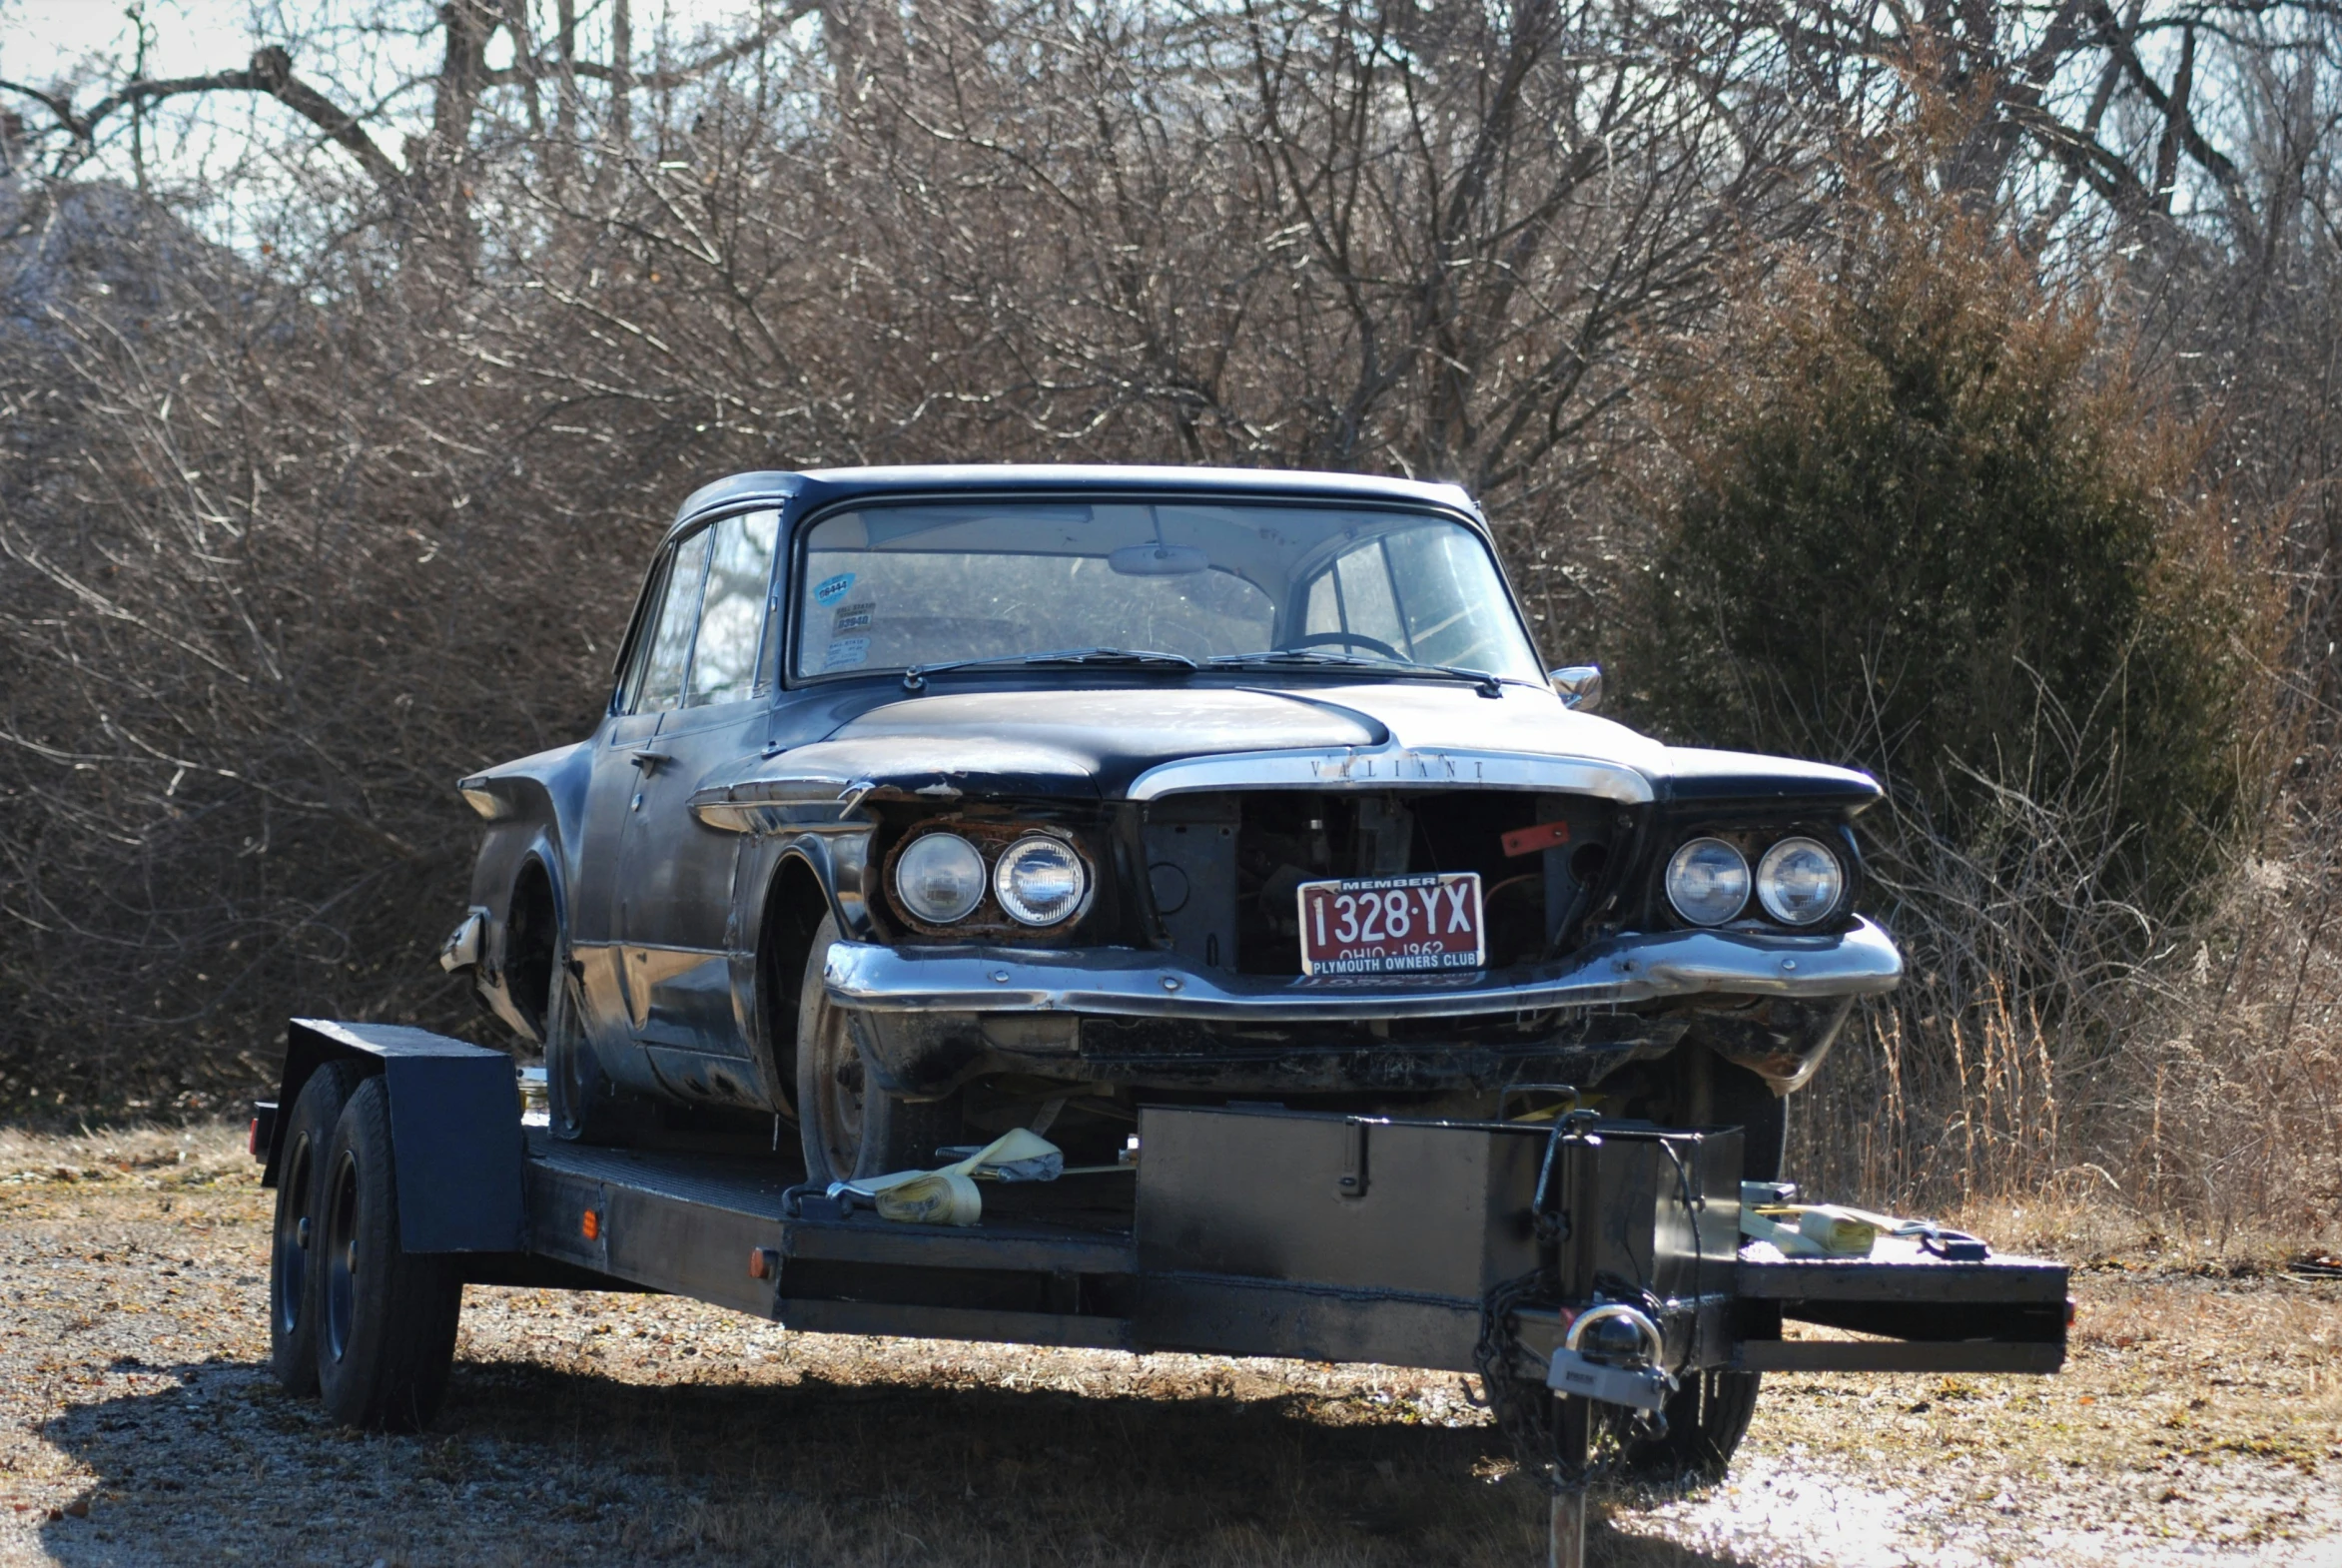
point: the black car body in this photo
(826, 669)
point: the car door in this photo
(673, 889)
(650, 682)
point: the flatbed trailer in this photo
(1496, 1247)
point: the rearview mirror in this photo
(1157, 560)
(1580, 686)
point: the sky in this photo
(360, 51)
(43, 41)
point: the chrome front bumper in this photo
(1128, 983)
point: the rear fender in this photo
(501, 980)
(534, 809)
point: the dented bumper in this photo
(1128, 983)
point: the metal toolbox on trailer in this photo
(1267, 1232)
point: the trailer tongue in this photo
(1592, 1273)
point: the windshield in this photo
(889, 588)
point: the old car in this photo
(930, 802)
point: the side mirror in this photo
(1580, 686)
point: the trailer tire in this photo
(848, 1127)
(296, 1242)
(386, 1330)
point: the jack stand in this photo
(1567, 1548)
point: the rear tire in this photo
(582, 1105)
(849, 1128)
(386, 1332)
(297, 1243)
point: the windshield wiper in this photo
(1490, 684)
(1135, 658)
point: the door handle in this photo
(648, 761)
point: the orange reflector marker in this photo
(763, 1263)
(1528, 841)
(591, 1224)
(252, 1139)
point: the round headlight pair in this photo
(1798, 881)
(1038, 880)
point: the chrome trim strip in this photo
(790, 805)
(1350, 767)
(1128, 983)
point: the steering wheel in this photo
(1319, 638)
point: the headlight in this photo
(1708, 882)
(1799, 881)
(940, 878)
(1040, 881)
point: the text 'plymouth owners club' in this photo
(935, 802)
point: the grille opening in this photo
(1226, 870)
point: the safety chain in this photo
(1525, 1410)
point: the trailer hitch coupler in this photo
(1642, 1386)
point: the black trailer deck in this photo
(1062, 1265)
(1241, 1229)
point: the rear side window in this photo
(732, 617)
(670, 639)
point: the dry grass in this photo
(144, 1155)
(2197, 1414)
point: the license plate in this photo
(1392, 925)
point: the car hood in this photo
(1107, 741)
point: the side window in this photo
(671, 636)
(654, 594)
(731, 620)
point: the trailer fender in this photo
(454, 1128)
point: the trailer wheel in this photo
(848, 1127)
(296, 1243)
(386, 1325)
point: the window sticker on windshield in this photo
(831, 589)
(845, 653)
(853, 617)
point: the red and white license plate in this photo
(1392, 925)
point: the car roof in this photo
(824, 486)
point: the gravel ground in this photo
(2199, 1421)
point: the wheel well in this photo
(530, 939)
(794, 906)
